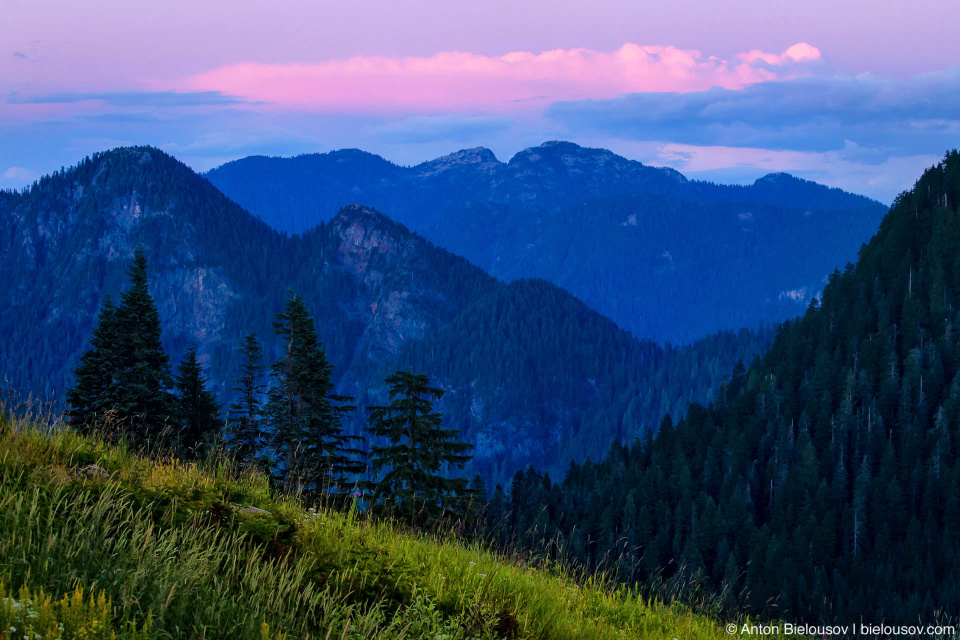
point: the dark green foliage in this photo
(199, 412)
(143, 378)
(304, 416)
(414, 487)
(824, 480)
(245, 421)
(125, 376)
(95, 392)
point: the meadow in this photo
(97, 541)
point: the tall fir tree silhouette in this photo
(126, 372)
(144, 379)
(199, 411)
(95, 392)
(414, 487)
(305, 417)
(245, 420)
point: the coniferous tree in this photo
(245, 422)
(144, 403)
(412, 487)
(199, 410)
(304, 416)
(126, 372)
(95, 390)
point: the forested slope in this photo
(824, 481)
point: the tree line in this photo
(288, 423)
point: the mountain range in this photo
(532, 374)
(642, 245)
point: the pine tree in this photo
(199, 411)
(304, 416)
(143, 368)
(245, 422)
(95, 390)
(126, 373)
(412, 487)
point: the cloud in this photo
(809, 114)
(457, 81)
(132, 98)
(20, 175)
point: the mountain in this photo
(642, 245)
(532, 374)
(824, 481)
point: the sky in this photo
(854, 94)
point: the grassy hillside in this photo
(96, 542)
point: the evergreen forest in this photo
(824, 480)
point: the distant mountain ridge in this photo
(640, 244)
(532, 374)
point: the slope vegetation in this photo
(96, 542)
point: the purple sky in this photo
(860, 95)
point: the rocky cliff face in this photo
(396, 296)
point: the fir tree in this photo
(199, 410)
(95, 390)
(126, 373)
(304, 416)
(412, 487)
(244, 423)
(143, 368)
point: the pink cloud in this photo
(465, 82)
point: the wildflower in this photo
(356, 494)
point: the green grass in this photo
(163, 549)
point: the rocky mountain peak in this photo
(365, 236)
(777, 178)
(477, 157)
(558, 155)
